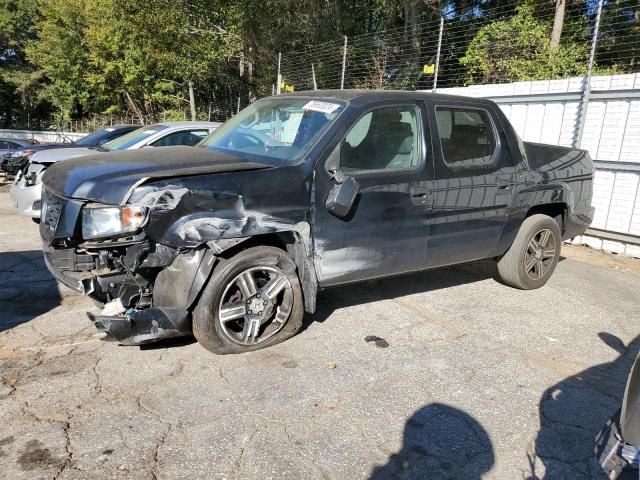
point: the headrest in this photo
(466, 134)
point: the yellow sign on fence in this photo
(284, 87)
(428, 69)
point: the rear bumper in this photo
(26, 199)
(578, 222)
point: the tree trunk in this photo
(558, 23)
(192, 102)
(135, 108)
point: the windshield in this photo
(131, 138)
(93, 138)
(276, 130)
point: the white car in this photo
(27, 187)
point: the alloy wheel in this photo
(255, 305)
(540, 254)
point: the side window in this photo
(186, 137)
(467, 138)
(4, 145)
(383, 139)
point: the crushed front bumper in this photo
(131, 327)
(143, 326)
(58, 263)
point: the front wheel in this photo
(534, 254)
(252, 300)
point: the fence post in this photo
(435, 74)
(344, 62)
(586, 90)
(279, 74)
(313, 75)
(238, 109)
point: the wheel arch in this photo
(295, 242)
(556, 210)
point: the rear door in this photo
(474, 181)
(384, 149)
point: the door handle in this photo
(419, 195)
(504, 183)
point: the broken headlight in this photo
(100, 222)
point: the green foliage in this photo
(519, 49)
(60, 54)
(75, 59)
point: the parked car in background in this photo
(18, 160)
(11, 145)
(231, 240)
(26, 190)
(618, 444)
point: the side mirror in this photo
(342, 197)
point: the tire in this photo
(228, 289)
(515, 267)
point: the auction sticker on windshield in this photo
(324, 107)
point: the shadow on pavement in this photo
(574, 410)
(440, 442)
(399, 286)
(27, 289)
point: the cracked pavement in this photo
(443, 374)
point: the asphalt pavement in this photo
(437, 375)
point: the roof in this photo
(371, 95)
(17, 140)
(189, 124)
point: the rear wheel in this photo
(534, 254)
(252, 300)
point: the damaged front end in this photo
(146, 287)
(142, 233)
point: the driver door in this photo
(386, 230)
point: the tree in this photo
(520, 49)
(558, 22)
(59, 55)
(18, 85)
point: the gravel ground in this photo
(443, 374)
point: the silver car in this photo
(27, 187)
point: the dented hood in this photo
(109, 177)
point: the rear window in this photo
(466, 136)
(131, 138)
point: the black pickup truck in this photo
(232, 239)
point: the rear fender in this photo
(528, 199)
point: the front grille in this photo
(51, 210)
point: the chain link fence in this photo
(518, 41)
